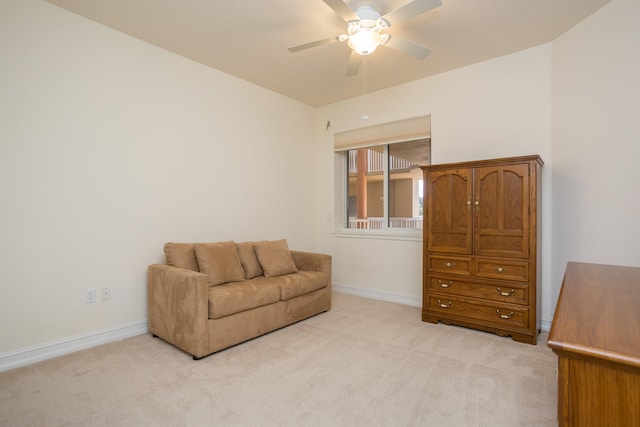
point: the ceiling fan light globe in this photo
(364, 42)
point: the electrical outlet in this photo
(89, 296)
(105, 294)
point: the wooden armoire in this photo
(480, 261)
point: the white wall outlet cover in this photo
(90, 296)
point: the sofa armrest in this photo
(311, 261)
(177, 307)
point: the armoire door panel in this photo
(450, 214)
(501, 211)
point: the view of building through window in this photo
(385, 185)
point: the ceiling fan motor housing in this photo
(365, 34)
(369, 19)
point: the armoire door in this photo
(501, 210)
(449, 206)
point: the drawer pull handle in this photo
(505, 316)
(444, 305)
(449, 264)
(444, 285)
(500, 270)
(505, 294)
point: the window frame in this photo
(386, 232)
(386, 133)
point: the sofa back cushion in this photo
(181, 255)
(220, 262)
(275, 258)
(249, 260)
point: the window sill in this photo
(379, 235)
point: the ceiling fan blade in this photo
(353, 66)
(411, 9)
(408, 47)
(342, 9)
(316, 43)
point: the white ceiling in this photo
(249, 38)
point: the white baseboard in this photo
(383, 296)
(61, 347)
(545, 324)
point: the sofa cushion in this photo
(219, 261)
(181, 255)
(296, 284)
(275, 258)
(249, 260)
(235, 297)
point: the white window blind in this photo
(386, 133)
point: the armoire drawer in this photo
(514, 293)
(479, 310)
(447, 264)
(501, 269)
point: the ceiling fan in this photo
(366, 30)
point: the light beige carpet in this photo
(364, 363)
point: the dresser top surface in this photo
(598, 313)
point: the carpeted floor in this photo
(364, 363)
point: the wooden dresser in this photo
(480, 265)
(596, 335)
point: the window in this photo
(379, 180)
(384, 185)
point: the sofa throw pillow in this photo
(220, 262)
(181, 255)
(249, 260)
(275, 258)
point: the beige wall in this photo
(109, 148)
(596, 140)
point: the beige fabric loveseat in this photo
(210, 296)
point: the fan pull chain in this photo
(364, 75)
(364, 82)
